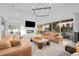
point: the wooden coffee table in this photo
(40, 42)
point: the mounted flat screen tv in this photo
(29, 24)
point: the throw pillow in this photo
(15, 42)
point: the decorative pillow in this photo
(56, 34)
(46, 33)
(5, 44)
(15, 42)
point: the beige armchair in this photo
(24, 49)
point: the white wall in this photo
(2, 27)
(28, 35)
(19, 23)
(76, 22)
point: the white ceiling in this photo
(19, 12)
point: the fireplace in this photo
(29, 31)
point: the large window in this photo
(63, 26)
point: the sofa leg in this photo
(48, 43)
(31, 40)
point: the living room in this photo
(39, 29)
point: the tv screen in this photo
(29, 24)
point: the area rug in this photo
(53, 50)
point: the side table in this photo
(70, 49)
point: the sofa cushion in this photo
(37, 37)
(4, 44)
(45, 36)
